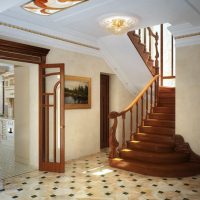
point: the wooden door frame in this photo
(10, 50)
(101, 104)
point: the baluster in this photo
(147, 103)
(151, 101)
(139, 32)
(131, 125)
(172, 61)
(123, 131)
(150, 44)
(142, 106)
(157, 53)
(137, 124)
(145, 35)
(155, 93)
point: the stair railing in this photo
(147, 46)
(133, 116)
(153, 47)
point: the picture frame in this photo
(77, 92)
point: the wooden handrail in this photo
(112, 115)
(138, 102)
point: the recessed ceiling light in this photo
(118, 24)
(48, 7)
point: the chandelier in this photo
(48, 7)
(118, 24)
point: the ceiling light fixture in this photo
(48, 7)
(118, 24)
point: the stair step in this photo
(168, 109)
(161, 170)
(154, 138)
(154, 157)
(157, 130)
(166, 100)
(166, 94)
(150, 146)
(159, 123)
(162, 116)
(166, 104)
(167, 89)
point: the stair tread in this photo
(158, 120)
(154, 135)
(151, 143)
(158, 127)
(153, 169)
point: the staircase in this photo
(153, 149)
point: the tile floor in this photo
(8, 166)
(92, 178)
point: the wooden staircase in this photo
(155, 149)
(149, 121)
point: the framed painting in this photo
(77, 92)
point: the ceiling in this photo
(81, 22)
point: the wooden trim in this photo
(169, 77)
(21, 52)
(172, 58)
(161, 53)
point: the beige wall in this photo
(82, 126)
(26, 113)
(188, 95)
(22, 128)
(82, 132)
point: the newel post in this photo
(113, 143)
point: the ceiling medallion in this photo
(48, 7)
(118, 24)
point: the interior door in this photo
(51, 118)
(104, 111)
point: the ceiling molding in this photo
(48, 35)
(187, 36)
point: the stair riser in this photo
(167, 99)
(140, 156)
(166, 104)
(151, 148)
(162, 117)
(156, 139)
(164, 110)
(156, 130)
(166, 95)
(160, 124)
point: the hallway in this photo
(92, 178)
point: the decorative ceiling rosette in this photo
(48, 7)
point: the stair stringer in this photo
(182, 146)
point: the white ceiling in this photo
(83, 19)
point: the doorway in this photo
(16, 124)
(104, 111)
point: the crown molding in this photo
(27, 32)
(185, 34)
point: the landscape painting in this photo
(77, 92)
